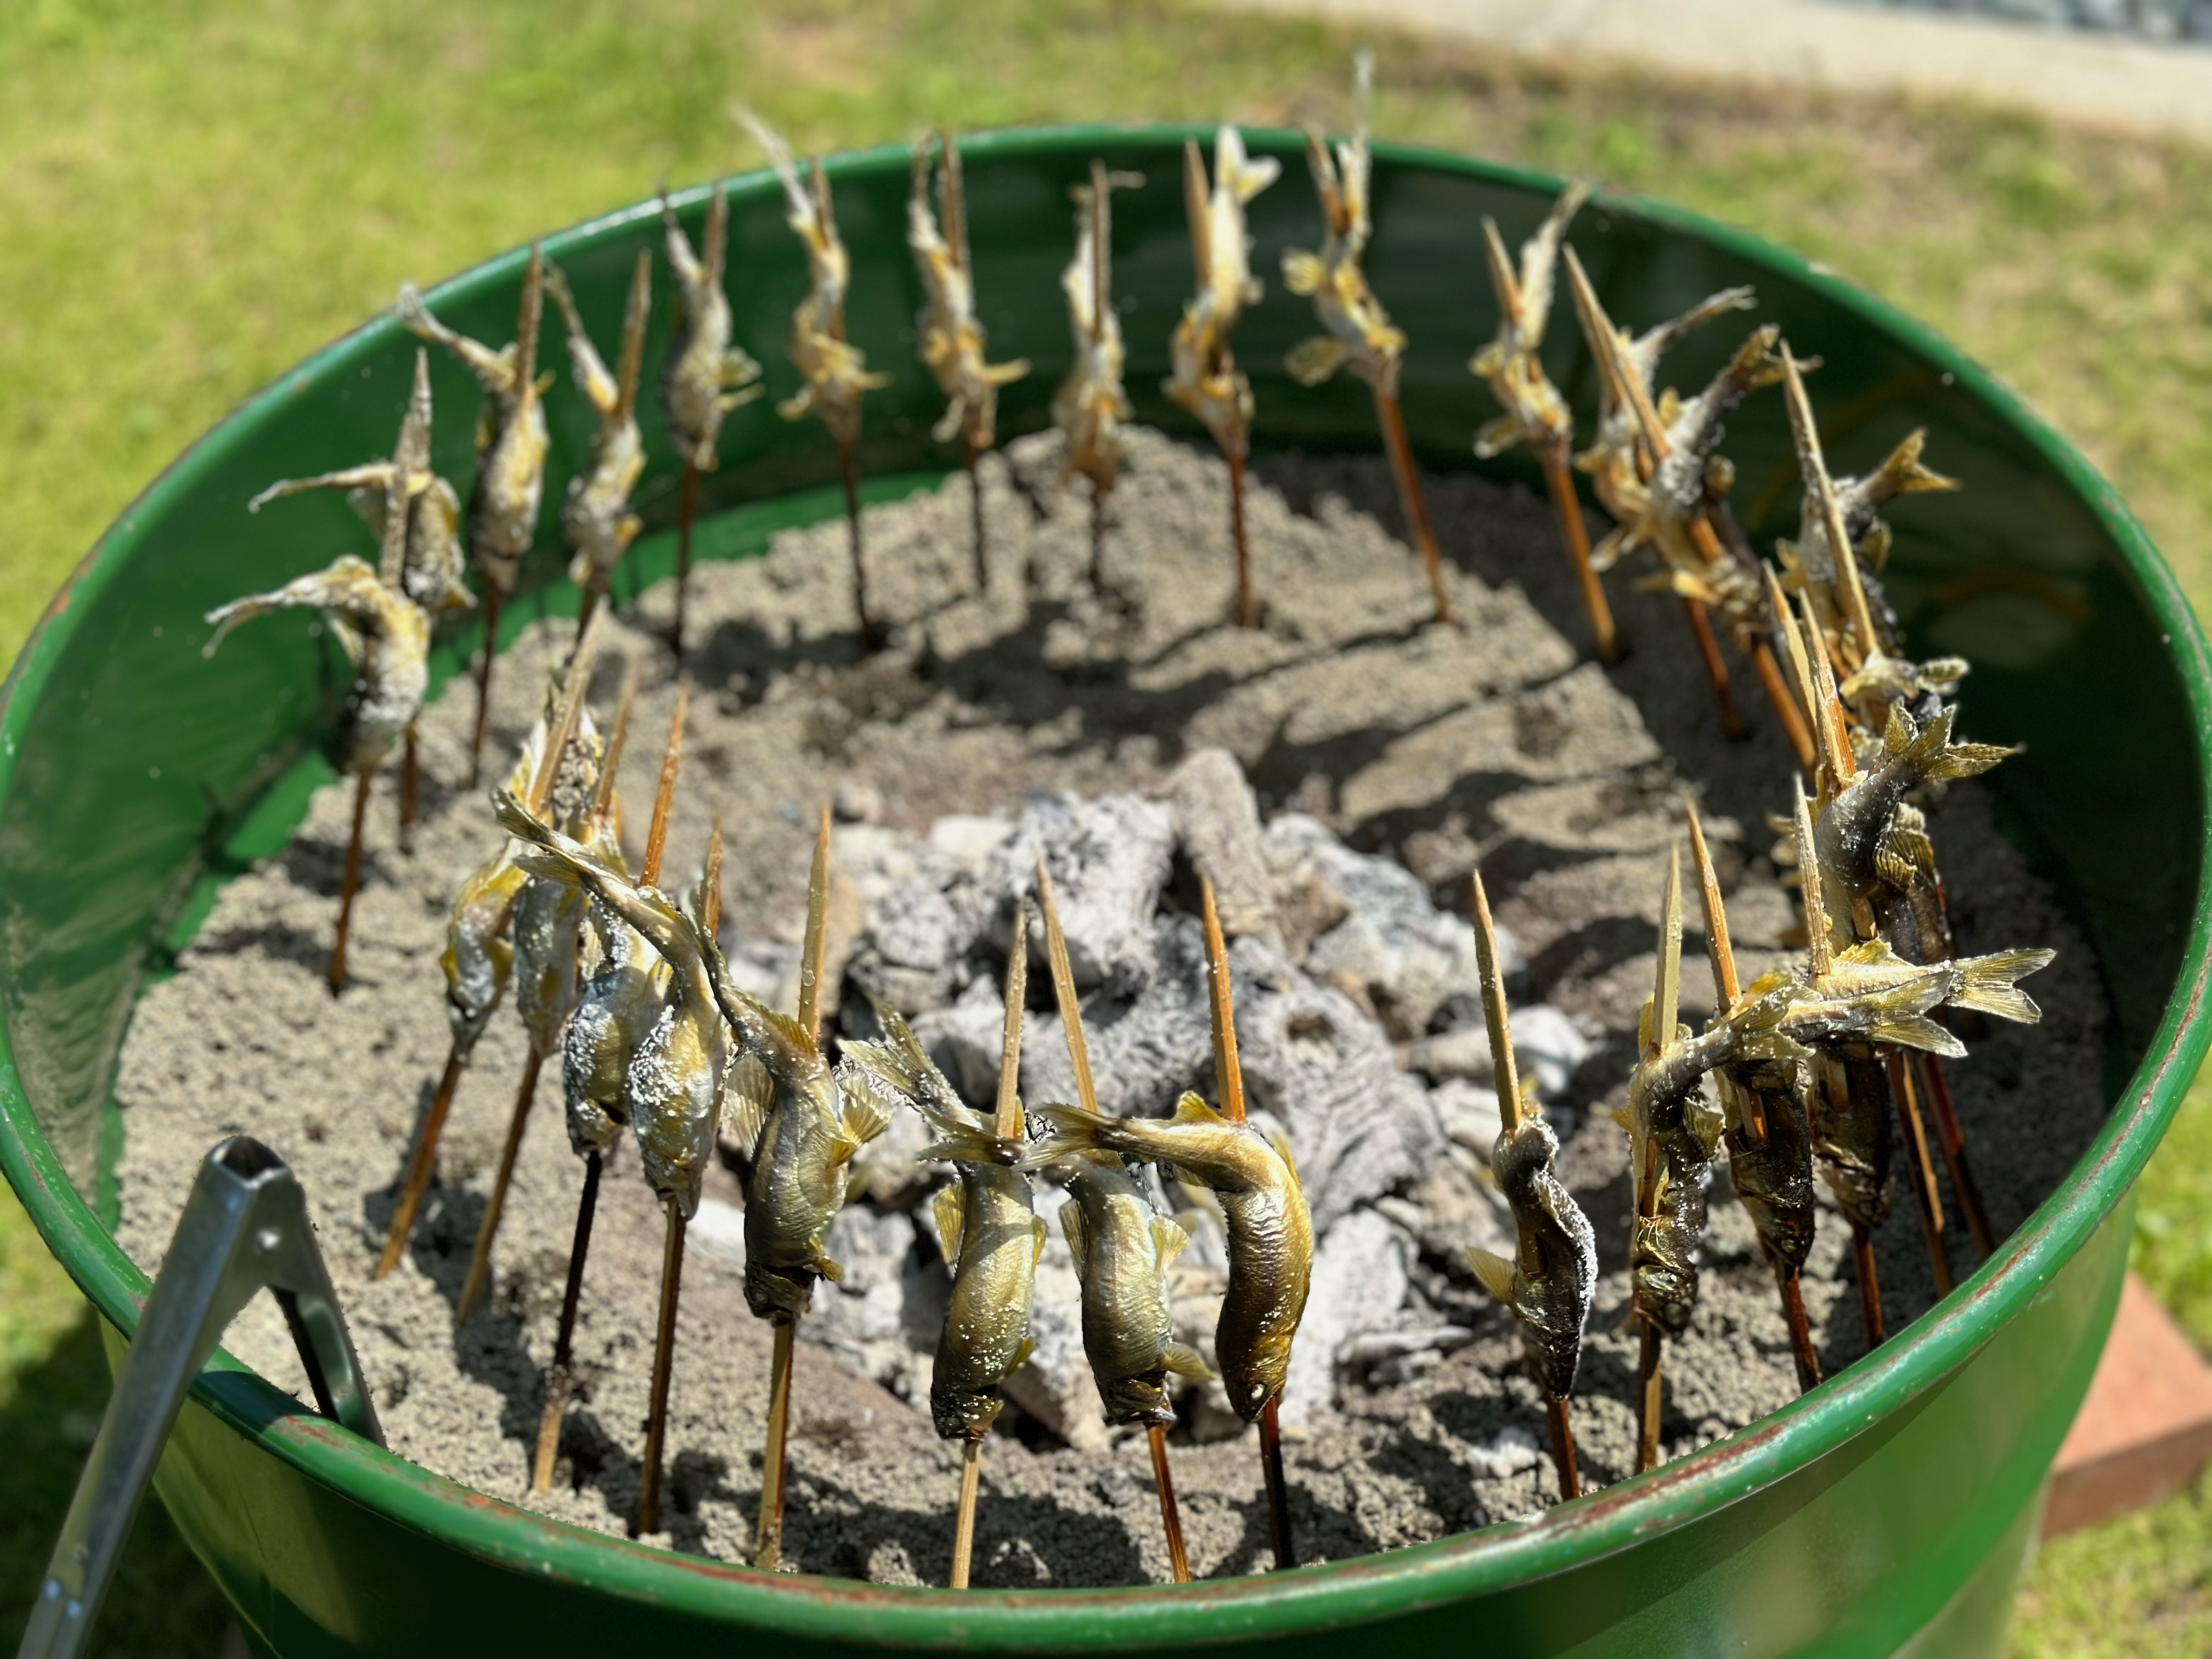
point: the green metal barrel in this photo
(1886, 1511)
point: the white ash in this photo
(1422, 746)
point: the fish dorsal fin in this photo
(1282, 1143)
(746, 1091)
(951, 1210)
(1168, 1239)
(1070, 1223)
(1186, 1361)
(1495, 1271)
(1192, 1109)
(790, 1030)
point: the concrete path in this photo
(2102, 79)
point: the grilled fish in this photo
(1206, 379)
(1270, 1230)
(1357, 333)
(1535, 414)
(595, 514)
(385, 636)
(511, 442)
(949, 339)
(704, 377)
(415, 512)
(1090, 404)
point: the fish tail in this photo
(1930, 756)
(1990, 984)
(1068, 1130)
(1899, 1014)
(961, 1143)
(1902, 474)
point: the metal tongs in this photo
(244, 1227)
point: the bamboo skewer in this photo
(556, 1389)
(479, 1272)
(768, 1548)
(972, 459)
(1729, 988)
(422, 1157)
(1567, 507)
(349, 883)
(848, 473)
(686, 514)
(1952, 1140)
(1934, 1230)
(1666, 1015)
(1086, 1096)
(1228, 1077)
(1006, 1125)
(1505, 1078)
(410, 783)
(672, 1265)
(1391, 415)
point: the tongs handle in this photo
(244, 1227)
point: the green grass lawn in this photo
(195, 196)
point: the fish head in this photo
(960, 1415)
(1140, 1399)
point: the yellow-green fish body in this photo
(1270, 1228)
(1550, 1282)
(948, 338)
(1357, 333)
(595, 515)
(1206, 379)
(1534, 413)
(704, 376)
(1122, 1248)
(385, 636)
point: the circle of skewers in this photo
(1807, 1068)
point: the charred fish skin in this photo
(1773, 1175)
(620, 1002)
(1849, 831)
(1850, 1125)
(1122, 1248)
(1552, 1283)
(1270, 1227)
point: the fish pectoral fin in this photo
(864, 1117)
(1311, 361)
(1186, 1361)
(1282, 1143)
(746, 1091)
(1039, 1233)
(1302, 274)
(1190, 1108)
(1071, 1223)
(827, 1265)
(1169, 1239)
(1022, 1354)
(1495, 1271)
(950, 1211)
(1624, 1117)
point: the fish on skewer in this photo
(1535, 414)
(1843, 541)
(834, 370)
(948, 338)
(479, 959)
(595, 514)
(676, 1077)
(1206, 379)
(1618, 464)
(548, 936)
(1090, 404)
(620, 1004)
(1357, 333)
(704, 376)
(1549, 1284)
(1122, 1248)
(1269, 1227)
(1675, 483)
(798, 1124)
(386, 638)
(1770, 1144)
(987, 1222)
(511, 445)
(417, 516)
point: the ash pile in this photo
(1359, 1023)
